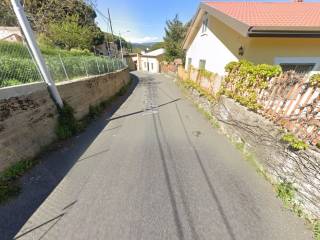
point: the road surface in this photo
(158, 170)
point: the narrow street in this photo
(158, 170)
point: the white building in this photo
(10, 34)
(150, 61)
(286, 33)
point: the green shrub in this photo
(67, 125)
(316, 230)
(245, 80)
(294, 142)
(315, 80)
(286, 192)
(9, 187)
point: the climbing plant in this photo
(245, 80)
(315, 80)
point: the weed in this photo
(294, 143)
(67, 124)
(286, 192)
(9, 187)
(316, 230)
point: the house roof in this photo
(155, 53)
(272, 14)
(262, 19)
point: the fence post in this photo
(107, 64)
(64, 68)
(85, 68)
(28, 33)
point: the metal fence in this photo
(18, 67)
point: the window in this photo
(202, 64)
(301, 68)
(189, 62)
(205, 23)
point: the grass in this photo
(295, 144)
(17, 66)
(9, 184)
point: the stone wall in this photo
(28, 116)
(262, 137)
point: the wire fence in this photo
(18, 67)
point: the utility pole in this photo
(28, 33)
(110, 25)
(121, 46)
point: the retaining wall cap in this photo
(21, 90)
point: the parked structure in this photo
(150, 61)
(10, 34)
(274, 33)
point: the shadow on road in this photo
(53, 167)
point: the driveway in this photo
(158, 170)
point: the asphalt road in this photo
(158, 170)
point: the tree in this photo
(157, 46)
(7, 17)
(175, 33)
(45, 16)
(70, 34)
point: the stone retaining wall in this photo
(28, 116)
(262, 137)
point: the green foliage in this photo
(175, 33)
(286, 192)
(316, 230)
(17, 67)
(205, 73)
(157, 46)
(189, 84)
(7, 17)
(67, 125)
(9, 187)
(69, 34)
(315, 80)
(294, 142)
(245, 80)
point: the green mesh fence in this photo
(18, 67)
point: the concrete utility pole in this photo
(110, 25)
(121, 46)
(28, 33)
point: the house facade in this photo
(10, 34)
(274, 33)
(150, 61)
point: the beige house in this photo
(285, 33)
(11, 34)
(149, 61)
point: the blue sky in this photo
(145, 19)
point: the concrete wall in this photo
(28, 116)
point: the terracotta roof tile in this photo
(288, 14)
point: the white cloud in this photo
(143, 39)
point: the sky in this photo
(144, 20)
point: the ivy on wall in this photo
(245, 80)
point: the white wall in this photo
(154, 66)
(208, 47)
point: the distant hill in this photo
(138, 47)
